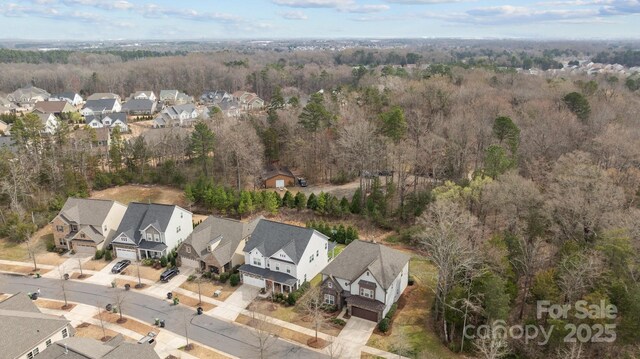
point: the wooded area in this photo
(518, 187)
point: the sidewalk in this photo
(67, 267)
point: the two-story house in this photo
(151, 230)
(112, 120)
(280, 257)
(178, 115)
(144, 95)
(86, 225)
(216, 244)
(72, 98)
(27, 332)
(367, 277)
(49, 122)
(101, 107)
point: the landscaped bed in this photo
(129, 323)
(86, 330)
(53, 304)
(199, 351)
(193, 302)
(410, 324)
(275, 329)
(120, 283)
(77, 275)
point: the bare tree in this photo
(104, 331)
(572, 351)
(139, 285)
(186, 322)
(492, 345)
(120, 298)
(311, 306)
(446, 238)
(63, 282)
(578, 273)
(262, 333)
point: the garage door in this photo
(279, 183)
(365, 314)
(83, 248)
(126, 253)
(191, 263)
(251, 280)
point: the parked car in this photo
(302, 182)
(150, 338)
(120, 266)
(168, 274)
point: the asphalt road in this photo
(227, 337)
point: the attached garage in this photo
(83, 247)
(252, 280)
(188, 262)
(364, 313)
(126, 253)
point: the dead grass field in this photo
(86, 330)
(145, 272)
(120, 283)
(53, 304)
(207, 288)
(143, 193)
(95, 265)
(275, 329)
(50, 258)
(291, 315)
(21, 269)
(76, 275)
(199, 351)
(19, 252)
(130, 324)
(193, 302)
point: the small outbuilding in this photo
(278, 177)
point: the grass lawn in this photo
(207, 287)
(130, 324)
(274, 329)
(193, 302)
(411, 323)
(86, 330)
(19, 252)
(337, 250)
(95, 265)
(199, 351)
(291, 315)
(145, 272)
(144, 194)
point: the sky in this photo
(287, 19)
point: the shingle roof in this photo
(139, 105)
(383, 262)
(87, 348)
(70, 95)
(53, 106)
(269, 237)
(168, 94)
(87, 211)
(141, 215)
(273, 170)
(102, 96)
(100, 105)
(25, 329)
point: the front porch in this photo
(151, 249)
(275, 282)
(276, 287)
(150, 254)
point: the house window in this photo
(317, 253)
(74, 228)
(178, 229)
(257, 261)
(29, 355)
(65, 333)
(329, 299)
(60, 228)
(48, 342)
(278, 266)
(82, 235)
(156, 237)
(289, 269)
(330, 285)
(346, 283)
(311, 258)
(149, 236)
(326, 245)
(188, 249)
(36, 351)
(367, 293)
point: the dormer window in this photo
(330, 285)
(82, 235)
(188, 249)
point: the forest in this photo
(518, 188)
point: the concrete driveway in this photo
(236, 302)
(161, 289)
(354, 336)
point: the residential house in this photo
(216, 244)
(93, 140)
(277, 176)
(249, 101)
(174, 97)
(29, 94)
(49, 122)
(27, 332)
(229, 108)
(55, 107)
(367, 277)
(104, 96)
(280, 257)
(101, 107)
(73, 98)
(179, 115)
(112, 120)
(86, 225)
(150, 230)
(88, 348)
(6, 106)
(139, 107)
(144, 95)
(215, 97)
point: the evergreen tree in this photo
(201, 144)
(270, 203)
(312, 202)
(288, 200)
(344, 205)
(245, 205)
(356, 208)
(301, 201)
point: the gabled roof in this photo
(67, 94)
(146, 93)
(139, 105)
(28, 92)
(168, 94)
(114, 116)
(270, 237)
(382, 262)
(228, 232)
(100, 105)
(103, 96)
(142, 215)
(87, 348)
(24, 326)
(274, 170)
(44, 117)
(87, 211)
(53, 106)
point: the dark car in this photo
(302, 182)
(120, 266)
(168, 274)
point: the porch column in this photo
(273, 286)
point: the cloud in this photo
(315, 3)
(294, 15)
(424, 2)
(101, 4)
(364, 9)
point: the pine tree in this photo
(356, 207)
(301, 201)
(288, 200)
(312, 202)
(245, 205)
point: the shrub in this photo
(207, 275)
(411, 280)
(338, 321)
(191, 278)
(291, 298)
(173, 261)
(108, 256)
(392, 311)
(235, 269)
(51, 246)
(163, 261)
(383, 326)
(234, 280)
(224, 276)
(147, 262)
(99, 254)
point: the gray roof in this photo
(113, 116)
(269, 237)
(87, 348)
(139, 105)
(87, 211)
(382, 262)
(168, 94)
(102, 96)
(67, 94)
(100, 105)
(141, 215)
(176, 110)
(27, 92)
(228, 232)
(279, 277)
(24, 327)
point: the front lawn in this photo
(208, 287)
(411, 324)
(145, 272)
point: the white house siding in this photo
(113, 221)
(282, 265)
(54, 338)
(182, 219)
(255, 254)
(318, 247)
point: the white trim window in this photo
(188, 249)
(329, 299)
(65, 333)
(329, 285)
(257, 262)
(367, 293)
